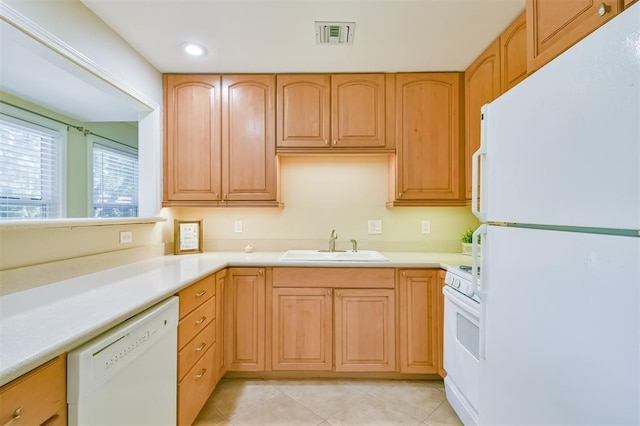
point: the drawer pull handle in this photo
(201, 320)
(51, 420)
(202, 293)
(201, 347)
(199, 376)
(16, 415)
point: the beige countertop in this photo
(41, 323)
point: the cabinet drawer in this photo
(334, 277)
(193, 350)
(40, 396)
(195, 388)
(196, 294)
(195, 322)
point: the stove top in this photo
(467, 268)
(459, 278)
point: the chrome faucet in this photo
(332, 240)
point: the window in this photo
(31, 166)
(115, 179)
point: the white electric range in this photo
(462, 342)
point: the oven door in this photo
(461, 354)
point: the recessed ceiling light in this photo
(194, 49)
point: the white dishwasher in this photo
(127, 376)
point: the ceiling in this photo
(279, 35)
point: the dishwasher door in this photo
(127, 376)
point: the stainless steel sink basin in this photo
(334, 256)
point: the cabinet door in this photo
(364, 330)
(418, 321)
(245, 314)
(302, 329)
(482, 85)
(221, 367)
(357, 110)
(428, 128)
(555, 25)
(513, 53)
(192, 138)
(303, 111)
(248, 138)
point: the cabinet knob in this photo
(603, 9)
(335, 142)
(399, 194)
(201, 347)
(216, 195)
(201, 320)
(261, 272)
(338, 293)
(200, 294)
(404, 274)
(326, 141)
(224, 196)
(329, 292)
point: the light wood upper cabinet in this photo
(364, 330)
(482, 85)
(513, 53)
(192, 150)
(326, 112)
(302, 330)
(555, 25)
(418, 293)
(248, 138)
(38, 397)
(219, 140)
(428, 137)
(245, 319)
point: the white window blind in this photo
(30, 168)
(115, 179)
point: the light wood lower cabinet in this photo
(245, 315)
(38, 397)
(365, 330)
(197, 375)
(221, 366)
(319, 323)
(418, 309)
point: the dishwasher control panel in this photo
(104, 356)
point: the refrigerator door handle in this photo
(476, 179)
(479, 286)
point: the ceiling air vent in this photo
(335, 32)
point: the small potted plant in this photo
(467, 240)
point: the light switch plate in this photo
(374, 226)
(237, 226)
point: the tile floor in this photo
(327, 402)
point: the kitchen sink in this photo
(333, 256)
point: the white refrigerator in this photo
(559, 176)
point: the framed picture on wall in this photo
(187, 236)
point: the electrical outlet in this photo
(126, 237)
(426, 226)
(237, 226)
(374, 226)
